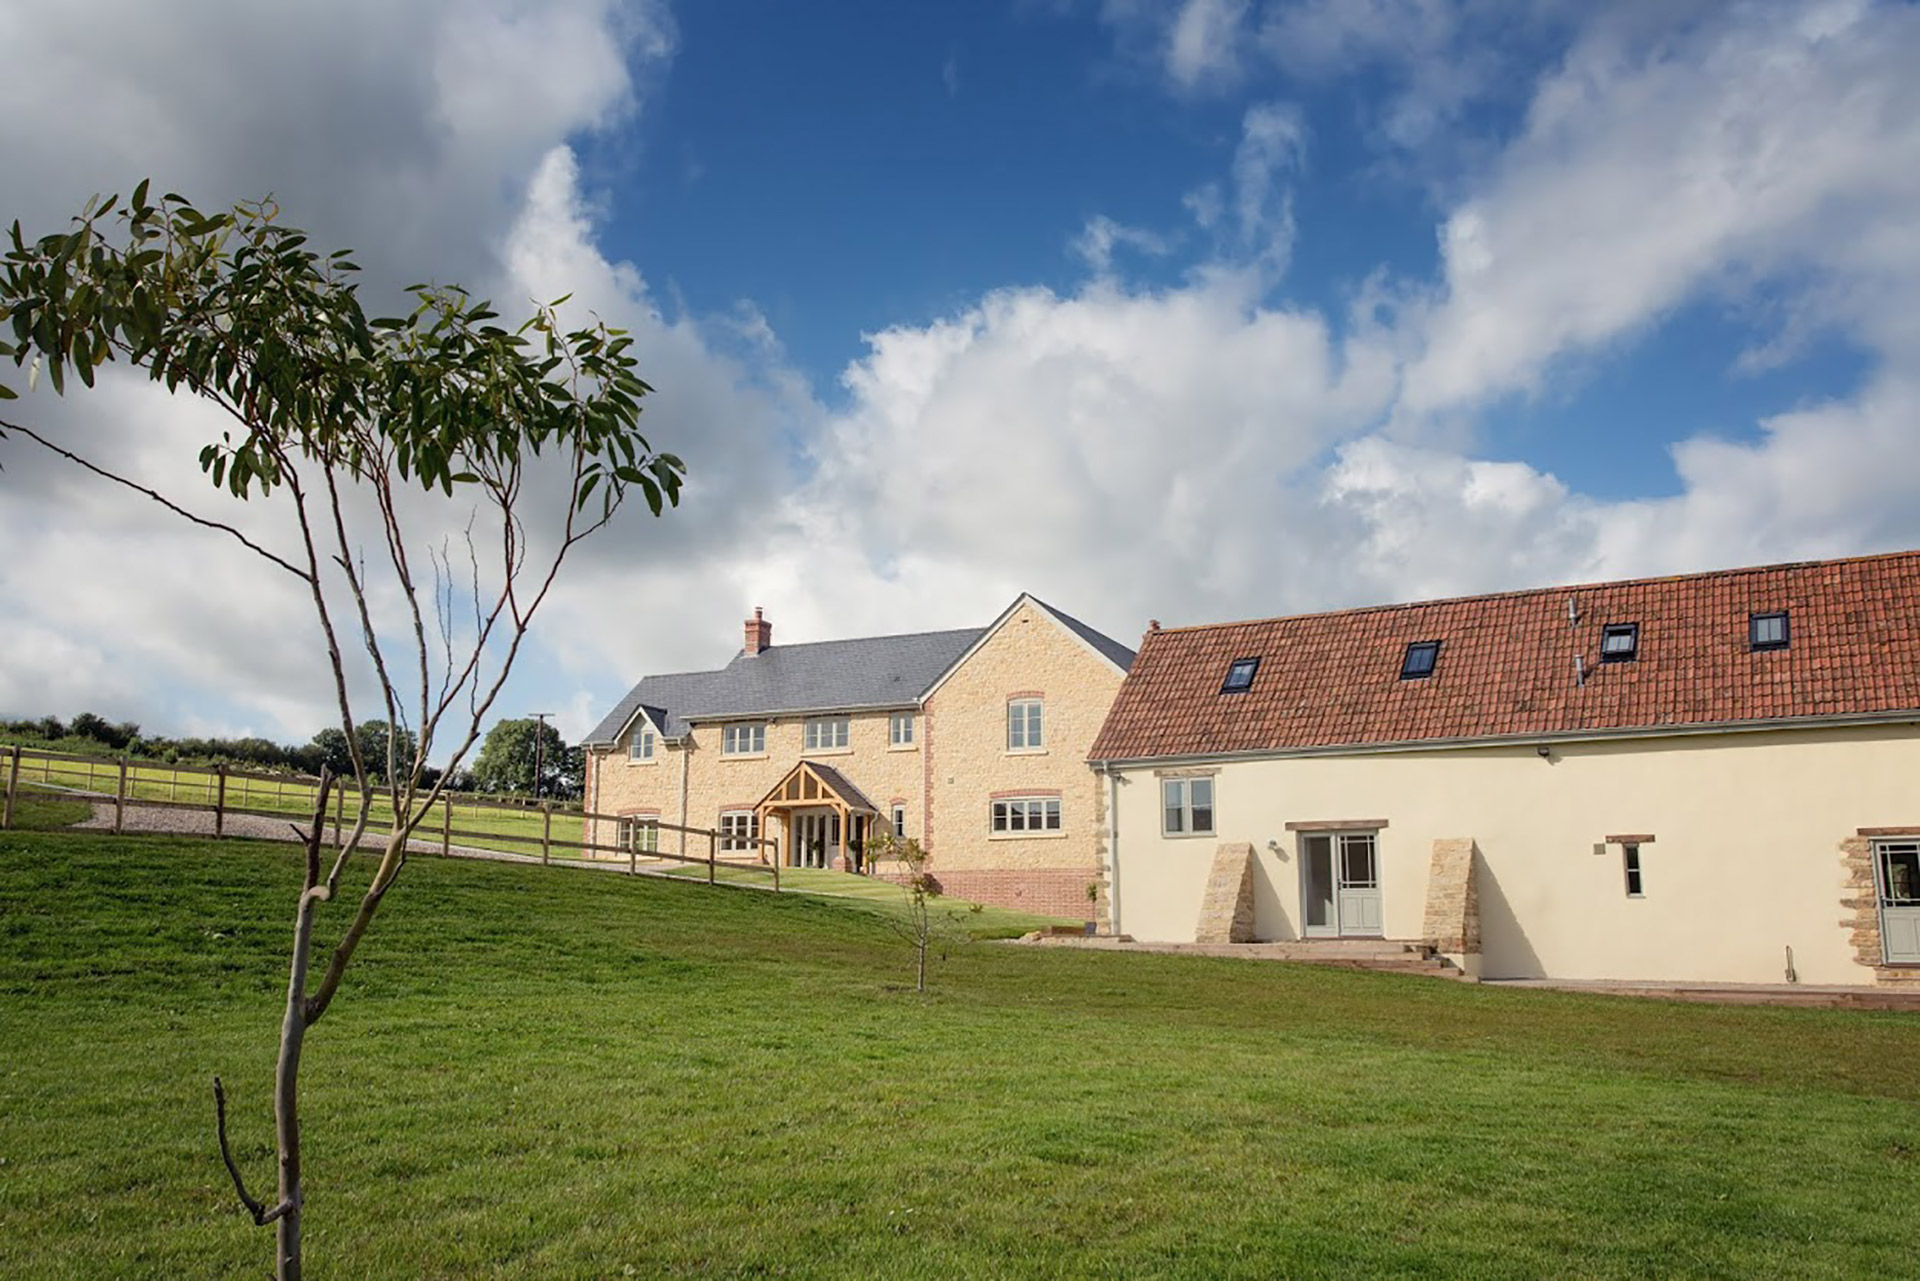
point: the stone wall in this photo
(1226, 909)
(1453, 899)
(1031, 656)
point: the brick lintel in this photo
(1887, 831)
(1630, 838)
(1338, 825)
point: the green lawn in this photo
(543, 1074)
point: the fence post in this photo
(446, 825)
(712, 837)
(173, 782)
(776, 865)
(120, 798)
(546, 832)
(13, 785)
(633, 848)
(220, 801)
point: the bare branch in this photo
(173, 507)
(261, 1214)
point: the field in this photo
(537, 1073)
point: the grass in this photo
(537, 1074)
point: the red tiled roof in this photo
(1506, 665)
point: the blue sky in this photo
(1187, 309)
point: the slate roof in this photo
(826, 676)
(1506, 664)
(1110, 649)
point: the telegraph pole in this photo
(539, 748)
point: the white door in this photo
(1359, 885)
(1897, 864)
(1339, 885)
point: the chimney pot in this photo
(1153, 624)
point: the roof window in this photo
(1620, 643)
(1767, 631)
(1418, 664)
(1240, 676)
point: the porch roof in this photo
(831, 788)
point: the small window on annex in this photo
(1240, 676)
(1187, 806)
(1620, 643)
(899, 817)
(826, 733)
(1630, 860)
(900, 729)
(1767, 631)
(1420, 660)
(640, 746)
(1024, 725)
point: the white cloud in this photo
(1203, 43)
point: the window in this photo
(1023, 725)
(640, 746)
(1630, 859)
(641, 835)
(738, 828)
(825, 734)
(900, 729)
(743, 740)
(1240, 676)
(1620, 643)
(1188, 805)
(1418, 664)
(1027, 814)
(900, 820)
(1767, 631)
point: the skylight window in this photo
(1767, 631)
(1620, 643)
(1418, 664)
(1240, 676)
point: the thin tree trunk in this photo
(286, 1092)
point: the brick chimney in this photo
(759, 633)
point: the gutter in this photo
(1113, 851)
(1905, 717)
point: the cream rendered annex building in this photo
(973, 742)
(1705, 778)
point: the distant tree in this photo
(88, 725)
(379, 749)
(51, 728)
(351, 425)
(507, 758)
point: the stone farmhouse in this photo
(973, 742)
(1705, 778)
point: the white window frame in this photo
(899, 820)
(827, 734)
(640, 747)
(739, 831)
(1026, 724)
(901, 731)
(1633, 869)
(1177, 808)
(1025, 816)
(639, 833)
(743, 738)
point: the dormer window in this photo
(1240, 676)
(1767, 631)
(1620, 643)
(1418, 664)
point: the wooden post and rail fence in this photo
(224, 792)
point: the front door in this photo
(1340, 885)
(816, 837)
(1897, 864)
